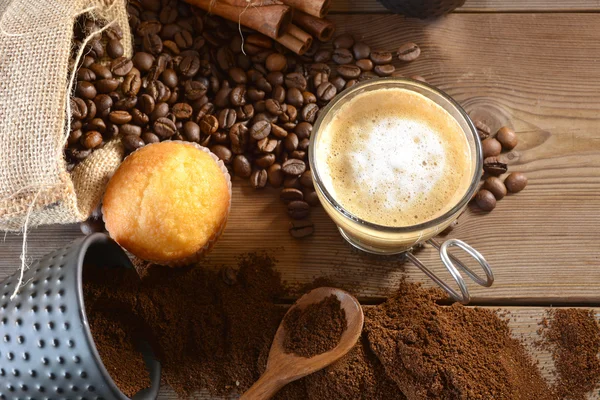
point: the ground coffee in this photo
(109, 297)
(573, 336)
(315, 329)
(456, 352)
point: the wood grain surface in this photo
(481, 6)
(524, 322)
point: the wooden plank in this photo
(524, 322)
(539, 74)
(374, 6)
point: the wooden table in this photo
(533, 65)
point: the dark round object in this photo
(507, 137)
(515, 182)
(422, 8)
(47, 320)
(485, 200)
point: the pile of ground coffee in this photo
(573, 336)
(108, 297)
(314, 329)
(456, 352)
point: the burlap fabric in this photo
(35, 47)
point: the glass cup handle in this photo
(453, 265)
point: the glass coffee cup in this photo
(382, 239)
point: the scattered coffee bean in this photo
(276, 62)
(121, 66)
(258, 179)
(298, 209)
(342, 56)
(344, 41)
(364, 64)
(322, 56)
(294, 167)
(408, 52)
(119, 117)
(483, 130)
(495, 186)
(515, 182)
(349, 71)
(223, 153)
(275, 175)
(507, 138)
(491, 147)
(360, 51)
(132, 142)
(384, 70)
(493, 166)
(301, 229)
(381, 57)
(309, 112)
(291, 194)
(164, 128)
(91, 139)
(241, 166)
(485, 200)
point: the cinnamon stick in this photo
(322, 29)
(270, 19)
(296, 40)
(316, 8)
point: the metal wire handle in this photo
(453, 265)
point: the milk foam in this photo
(394, 157)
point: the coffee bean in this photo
(276, 62)
(361, 51)
(266, 145)
(101, 71)
(344, 41)
(164, 128)
(112, 131)
(342, 56)
(338, 82)
(258, 179)
(295, 80)
(326, 91)
(303, 144)
(225, 58)
(273, 106)
(171, 46)
(301, 229)
(130, 129)
(85, 90)
(87, 61)
(419, 78)
(132, 142)
(291, 142)
(146, 103)
(309, 112)
(114, 48)
(97, 124)
(206, 109)
(244, 112)
(322, 56)
(349, 71)
(384, 70)
(495, 186)
(294, 97)
(275, 78)
(493, 166)
(291, 194)
(86, 74)
(103, 104)
(483, 130)
(507, 138)
(515, 182)
(222, 97)
(265, 161)
(303, 130)
(191, 131)
(184, 39)
(195, 90)
(92, 225)
(227, 118)
(78, 108)
(364, 64)
(241, 166)
(308, 97)
(294, 167)
(485, 200)
(91, 139)
(209, 125)
(121, 66)
(278, 131)
(278, 94)
(189, 66)
(238, 75)
(491, 147)
(292, 182)
(169, 78)
(319, 78)
(223, 153)
(260, 107)
(119, 117)
(77, 153)
(367, 75)
(143, 61)
(381, 57)
(237, 97)
(160, 110)
(131, 85)
(298, 209)
(306, 179)
(238, 136)
(311, 197)
(107, 85)
(260, 130)
(275, 175)
(408, 52)
(152, 44)
(152, 26)
(182, 111)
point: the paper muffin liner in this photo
(198, 255)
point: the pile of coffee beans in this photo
(494, 188)
(191, 79)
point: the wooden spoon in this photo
(283, 368)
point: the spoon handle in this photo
(265, 387)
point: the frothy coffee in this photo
(394, 157)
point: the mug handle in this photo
(453, 265)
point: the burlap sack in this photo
(35, 47)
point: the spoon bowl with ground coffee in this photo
(320, 328)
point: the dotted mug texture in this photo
(46, 347)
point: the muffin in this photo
(168, 202)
